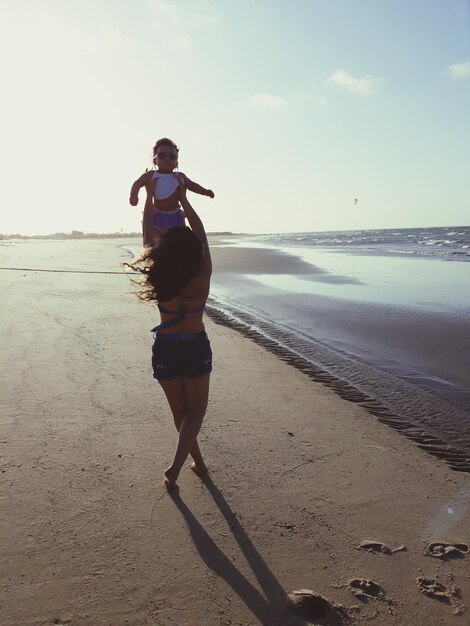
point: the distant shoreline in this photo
(76, 234)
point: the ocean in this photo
(448, 243)
(387, 311)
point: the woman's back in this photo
(184, 312)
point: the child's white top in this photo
(166, 184)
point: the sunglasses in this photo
(164, 155)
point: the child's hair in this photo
(164, 141)
(169, 267)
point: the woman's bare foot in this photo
(170, 480)
(200, 470)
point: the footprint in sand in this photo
(366, 589)
(376, 547)
(313, 606)
(449, 593)
(441, 550)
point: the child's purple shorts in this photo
(163, 220)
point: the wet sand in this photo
(299, 477)
(415, 360)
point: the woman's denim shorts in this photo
(185, 355)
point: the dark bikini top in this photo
(180, 315)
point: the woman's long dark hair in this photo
(169, 267)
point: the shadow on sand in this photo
(270, 608)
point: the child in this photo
(162, 208)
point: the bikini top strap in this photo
(199, 308)
(180, 315)
(168, 311)
(168, 324)
(183, 311)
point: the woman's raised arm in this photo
(196, 225)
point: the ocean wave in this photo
(444, 242)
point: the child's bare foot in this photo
(170, 480)
(200, 470)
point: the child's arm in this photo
(142, 181)
(192, 186)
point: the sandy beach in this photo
(301, 474)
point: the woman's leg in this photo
(175, 394)
(196, 393)
(147, 222)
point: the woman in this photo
(177, 273)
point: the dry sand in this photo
(299, 477)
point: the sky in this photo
(288, 111)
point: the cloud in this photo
(267, 100)
(365, 86)
(165, 11)
(306, 96)
(181, 41)
(199, 140)
(460, 70)
(111, 38)
(202, 11)
(47, 34)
